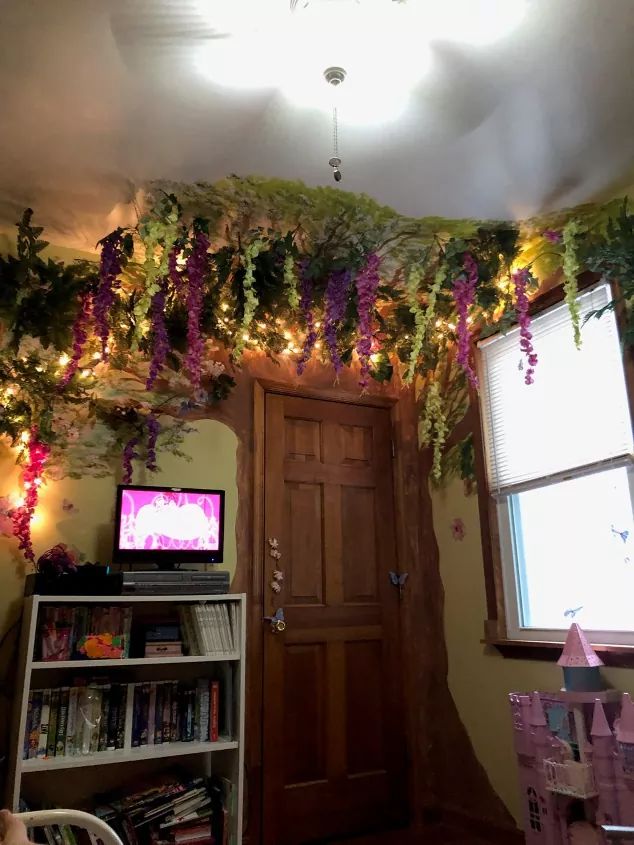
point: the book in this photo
(145, 714)
(226, 718)
(175, 713)
(71, 722)
(113, 717)
(163, 649)
(52, 723)
(122, 715)
(104, 719)
(203, 710)
(214, 706)
(45, 712)
(158, 713)
(167, 712)
(202, 631)
(27, 726)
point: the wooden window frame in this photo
(495, 626)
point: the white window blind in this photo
(575, 415)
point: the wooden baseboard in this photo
(490, 831)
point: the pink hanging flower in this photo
(367, 284)
(80, 335)
(22, 516)
(196, 270)
(153, 431)
(458, 530)
(463, 293)
(553, 235)
(521, 279)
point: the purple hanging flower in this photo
(153, 430)
(367, 283)
(463, 293)
(110, 266)
(129, 454)
(520, 280)
(553, 235)
(196, 270)
(336, 301)
(160, 338)
(80, 335)
(306, 307)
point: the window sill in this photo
(612, 655)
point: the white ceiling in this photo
(99, 95)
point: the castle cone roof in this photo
(577, 650)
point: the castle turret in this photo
(603, 764)
(624, 732)
(580, 663)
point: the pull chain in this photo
(335, 161)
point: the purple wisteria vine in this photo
(336, 301)
(196, 270)
(463, 292)
(367, 283)
(521, 279)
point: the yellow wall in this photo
(212, 446)
(480, 678)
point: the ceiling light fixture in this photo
(266, 39)
(335, 76)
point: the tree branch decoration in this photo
(142, 338)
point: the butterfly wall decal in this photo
(399, 580)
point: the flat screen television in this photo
(168, 526)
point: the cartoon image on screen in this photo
(165, 520)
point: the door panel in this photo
(333, 749)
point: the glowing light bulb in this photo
(9, 391)
(19, 501)
(25, 436)
(27, 485)
(37, 482)
(318, 344)
(86, 373)
(245, 336)
(63, 359)
(224, 306)
(318, 324)
(287, 335)
(451, 327)
(374, 357)
(39, 369)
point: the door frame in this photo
(255, 600)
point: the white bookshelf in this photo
(224, 756)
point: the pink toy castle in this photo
(575, 751)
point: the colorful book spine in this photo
(145, 713)
(214, 706)
(151, 728)
(45, 713)
(121, 716)
(167, 712)
(69, 734)
(175, 714)
(136, 717)
(203, 708)
(104, 719)
(189, 717)
(113, 717)
(158, 714)
(52, 723)
(27, 726)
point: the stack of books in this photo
(75, 720)
(173, 809)
(173, 711)
(211, 628)
(84, 632)
(163, 641)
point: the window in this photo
(559, 466)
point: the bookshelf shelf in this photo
(134, 661)
(221, 673)
(147, 752)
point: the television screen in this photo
(169, 524)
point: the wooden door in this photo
(333, 762)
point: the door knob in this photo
(278, 623)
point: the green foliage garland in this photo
(250, 300)
(572, 269)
